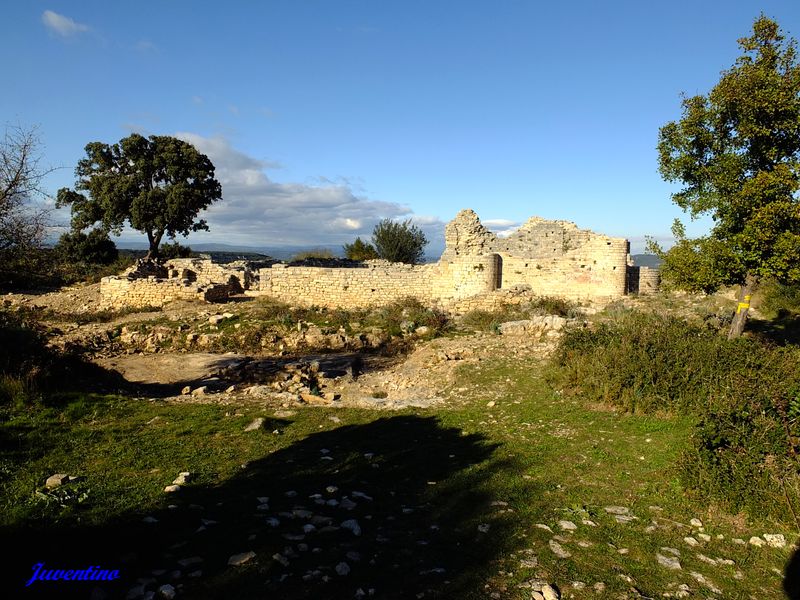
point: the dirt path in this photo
(423, 378)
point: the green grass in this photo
(436, 479)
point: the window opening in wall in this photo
(499, 279)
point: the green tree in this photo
(94, 248)
(175, 250)
(399, 242)
(360, 250)
(157, 184)
(737, 153)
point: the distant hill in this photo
(646, 260)
(229, 252)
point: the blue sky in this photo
(324, 116)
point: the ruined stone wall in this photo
(649, 280)
(203, 271)
(643, 280)
(551, 258)
(544, 258)
(379, 282)
(121, 292)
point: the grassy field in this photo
(473, 501)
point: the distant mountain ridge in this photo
(646, 260)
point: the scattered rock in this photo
(706, 582)
(756, 541)
(549, 592)
(240, 559)
(183, 478)
(558, 549)
(704, 537)
(670, 562)
(543, 526)
(696, 523)
(352, 525)
(567, 525)
(484, 527)
(529, 562)
(691, 541)
(56, 480)
(314, 398)
(624, 518)
(775, 540)
(707, 559)
(201, 391)
(280, 558)
(171, 489)
(256, 424)
(343, 569)
(617, 510)
(167, 592)
(187, 389)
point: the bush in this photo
(24, 360)
(744, 395)
(399, 242)
(553, 305)
(780, 300)
(360, 250)
(490, 320)
(174, 250)
(408, 314)
(94, 248)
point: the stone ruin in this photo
(477, 270)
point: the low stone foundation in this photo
(121, 292)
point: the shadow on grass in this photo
(136, 375)
(782, 330)
(396, 502)
(791, 581)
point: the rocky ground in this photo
(165, 352)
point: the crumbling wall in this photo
(379, 282)
(203, 271)
(550, 258)
(477, 269)
(121, 292)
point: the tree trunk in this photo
(743, 307)
(154, 241)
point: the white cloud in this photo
(61, 25)
(257, 211)
(501, 227)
